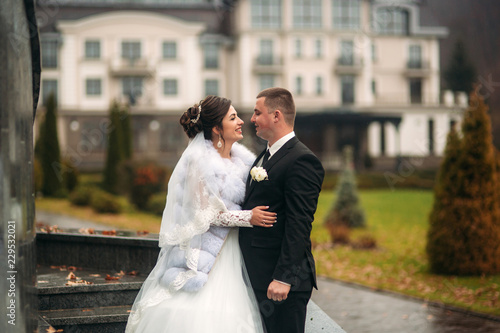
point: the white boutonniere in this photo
(258, 174)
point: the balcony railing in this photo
(417, 68)
(349, 65)
(131, 67)
(268, 64)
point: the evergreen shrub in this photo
(70, 175)
(48, 152)
(103, 202)
(156, 204)
(37, 175)
(346, 209)
(464, 233)
(82, 195)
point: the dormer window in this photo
(392, 21)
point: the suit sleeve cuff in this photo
(286, 284)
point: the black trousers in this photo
(288, 316)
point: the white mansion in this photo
(363, 72)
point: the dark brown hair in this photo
(213, 111)
(279, 99)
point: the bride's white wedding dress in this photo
(224, 304)
(199, 283)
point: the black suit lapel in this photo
(249, 178)
(270, 163)
(280, 153)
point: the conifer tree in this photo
(464, 233)
(460, 73)
(114, 154)
(126, 132)
(48, 152)
(346, 210)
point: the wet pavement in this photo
(358, 309)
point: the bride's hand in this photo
(262, 218)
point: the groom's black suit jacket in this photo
(283, 252)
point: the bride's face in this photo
(231, 126)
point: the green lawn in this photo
(396, 219)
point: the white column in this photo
(374, 139)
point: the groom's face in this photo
(263, 120)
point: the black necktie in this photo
(266, 157)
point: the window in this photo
(346, 53)
(140, 131)
(298, 85)
(211, 87)
(89, 141)
(392, 21)
(49, 53)
(266, 52)
(298, 48)
(307, 13)
(211, 55)
(132, 88)
(266, 13)
(415, 60)
(266, 81)
(347, 84)
(318, 48)
(92, 49)
(93, 87)
(170, 87)
(172, 136)
(131, 50)
(48, 87)
(346, 14)
(319, 85)
(374, 87)
(169, 50)
(416, 91)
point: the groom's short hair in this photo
(279, 99)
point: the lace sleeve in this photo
(233, 218)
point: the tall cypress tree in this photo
(115, 152)
(460, 72)
(464, 233)
(48, 152)
(126, 132)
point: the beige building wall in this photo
(380, 71)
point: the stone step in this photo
(124, 250)
(89, 289)
(108, 319)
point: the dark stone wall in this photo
(17, 240)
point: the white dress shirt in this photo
(280, 143)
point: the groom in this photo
(279, 259)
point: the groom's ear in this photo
(277, 115)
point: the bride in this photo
(199, 283)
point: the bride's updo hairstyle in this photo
(204, 116)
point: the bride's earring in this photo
(219, 144)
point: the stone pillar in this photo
(18, 40)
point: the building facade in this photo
(363, 72)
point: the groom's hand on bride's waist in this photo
(278, 291)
